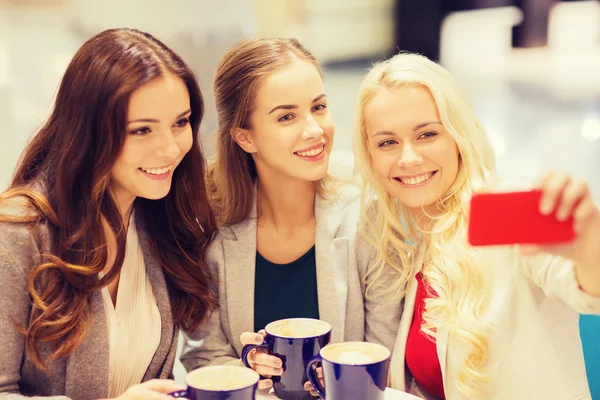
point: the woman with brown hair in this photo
(287, 245)
(104, 229)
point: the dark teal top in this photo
(285, 290)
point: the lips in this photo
(415, 180)
(157, 171)
(315, 151)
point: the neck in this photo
(286, 204)
(124, 202)
(424, 222)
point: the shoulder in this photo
(17, 207)
(20, 240)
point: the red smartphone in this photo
(511, 218)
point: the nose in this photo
(409, 157)
(312, 129)
(167, 147)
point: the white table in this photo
(390, 394)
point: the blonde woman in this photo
(478, 323)
(287, 245)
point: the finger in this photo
(251, 338)
(163, 385)
(152, 395)
(267, 371)
(582, 214)
(573, 193)
(264, 384)
(267, 360)
(320, 372)
(541, 181)
(308, 387)
(552, 188)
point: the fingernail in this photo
(278, 371)
(258, 337)
(269, 383)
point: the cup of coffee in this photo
(220, 382)
(295, 341)
(351, 370)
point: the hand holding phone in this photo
(515, 218)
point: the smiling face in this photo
(412, 154)
(158, 136)
(291, 130)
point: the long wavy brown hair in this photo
(65, 175)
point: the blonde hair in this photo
(232, 176)
(450, 269)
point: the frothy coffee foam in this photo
(220, 378)
(355, 353)
(298, 328)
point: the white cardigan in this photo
(534, 345)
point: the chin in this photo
(311, 176)
(155, 195)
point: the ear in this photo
(244, 139)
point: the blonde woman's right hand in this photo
(260, 361)
(155, 389)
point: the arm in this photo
(18, 253)
(573, 274)
(208, 344)
(383, 307)
(557, 277)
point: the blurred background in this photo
(532, 67)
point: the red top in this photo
(421, 353)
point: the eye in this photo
(141, 131)
(319, 107)
(182, 122)
(286, 118)
(387, 143)
(428, 135)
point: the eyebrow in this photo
(155, 121)
(416, 128)
(293, 106)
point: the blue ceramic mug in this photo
(351, 370)
(295, 341)
(221, 382)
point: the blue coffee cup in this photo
(295, 341)
(351, 370)
(220, 382)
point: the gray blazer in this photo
(342, 261)
(84, 374)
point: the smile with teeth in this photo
(157, 171)
(311, 153)
(415, 180)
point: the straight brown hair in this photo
(239, 75)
